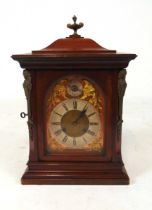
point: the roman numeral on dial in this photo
(90, 132)
(58, 132)
(74, 141)
(91, 114)
(84, 140)
(93, 123)
(65, 107)
(65, 139)
(56, 123)
(75, 104)
(58, 114)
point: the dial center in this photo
(75, 123)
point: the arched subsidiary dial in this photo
(74, 88)
(75, 123)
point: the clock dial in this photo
(74, 115)
(74, 123)
(74, 88)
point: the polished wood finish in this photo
(107, 69)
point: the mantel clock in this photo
(74, 90)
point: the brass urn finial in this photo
(75, 27)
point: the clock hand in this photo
(82, 113)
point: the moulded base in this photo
(112, 175)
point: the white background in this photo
(126, 26)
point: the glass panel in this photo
(74, 116)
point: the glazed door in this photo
(53, 96)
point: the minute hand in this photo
(80, 116)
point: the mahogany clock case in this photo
(78, 57)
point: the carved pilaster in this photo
(27, 85)
(121, 91)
